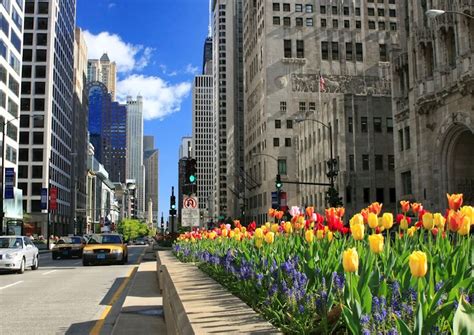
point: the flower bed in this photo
(381, 275)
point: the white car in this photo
(17, 253)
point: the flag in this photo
(322, 84)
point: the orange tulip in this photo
(375, 208)
(309, 211)
(454, 201)
(271, 212)
(330, 212)
(340, 211)
(279, 214)
(405, 206)
(416, 207)
(365, 214)
(455, 220)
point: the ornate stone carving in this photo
(368, 85)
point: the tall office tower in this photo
(207, 56)
(185, 149)
(203, 142)
(327, 63)
(79, 138)
(433, 103)
(151, 162)
(135, 168)
(10, 66)
(228, 106)
(47, 110)
(105, 71)
(108, 130)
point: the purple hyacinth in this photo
(338, 281)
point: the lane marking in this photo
(100, 323)
(4, 287)
(46, 273)
(77, 263)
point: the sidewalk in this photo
(142, 310)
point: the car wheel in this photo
(22, 266)
(85, 263)
(35, 264)
(55, 256)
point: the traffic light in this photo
(191, 171)
(278, 183)
(172, 205)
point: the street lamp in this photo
(433, 13)
(278, 183)
(332, 195)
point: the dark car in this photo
(140, 241)
(68, 246)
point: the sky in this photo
(158, 48)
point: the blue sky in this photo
(158, 46)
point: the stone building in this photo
(105, 71)
(433, 105)
(326, 61)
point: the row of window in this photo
(276, 142)
(12, 59)
(42, 7)
(377, 124)
(335, 10)
(378, 162)
(308, 22)
(404, 138)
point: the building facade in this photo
(326, 63)
(433, 88)
(11, 36)
(105, 71)
(203, 149)
(47, 109)
(185, 150)
(151, 157)
(134, 167)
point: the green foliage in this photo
(131, 229)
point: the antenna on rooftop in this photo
(209, 33)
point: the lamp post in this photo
(332, 194)
(278, 175)
(433, 13)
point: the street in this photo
(63, 296)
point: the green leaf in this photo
(463, 323)
(403, 327)
(419, 319)
(352, 323)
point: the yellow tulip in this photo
(411, 231)
(356, 219)
(387, 220)
(428, 221)
(259, 233)
(212, 235)
(258, 242)
(320, 234)
(439, 220)
(376, 243)
(309, 236)
(236, 230)
(275, 228)
(270, 237)
(288, 227)
(404, 223)
(244, 230)
(231, 234)
(358, 232)
(267, 224)
(238, 236)
(465, 226)
(418, 264)
(468, 211)
(225, 232)
(330, 235)
(373, 221)
(350, 260)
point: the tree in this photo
(131, 229)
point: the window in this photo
(324, 50)
(286, 21)
(30, 7)
(23, 171)
(309, 8)
(358, 24)
(366, 194)
(381, 25)
(379, 162)
(349, 51)
(299, 49)
(312, 107)
(302, 107)
(37, 171)
(309, 22)
(335, 24)
(392, 2)
(287, 48)
(346, 24)
(365, 162)
(37, 155)
(40, 55)
(348, 194)
(359, 52)
(277, 124)
(406, 182)
(11, 154)
(351, 162)
(38, 137)
(371, 24)
(40, 87)
(38, 121)
(299, 22)
(24, 121)
(407, 138)
(12, 131)
(335, 51)
(383, 52)
(3, 74)
(39, 105)
(17, 19)
(40, 71)
(276, 7)
(379, 195)
(323, 23)
(282, 166)
(23, 155)
(24, 139)
(381, 12)
(400, 139)
(322, 9)
(3, 99)
(13, 85)
(36, 188)
(289, 124)
(377, 124)
(393, 26)
(4, 26)
(29, 23)
(27, 39)
(27, 55)
(346, 10)
(283, 106)
(334, 10)
(12, 108)
(15, 63)
(41, 39)
(391, 195)
(276, 20)
(357, 11)
(389, 125)
(43, 7)
(392, 13)
(298, 8)
(286, 7)
(363, 124)
(287, 142)
(391, 162)
(349, 125)
(371, 11)
(276, 142)
(16, 41)
(3, 49)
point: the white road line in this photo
(46, 273)
(77, 263)
(18, 282)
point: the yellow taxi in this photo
(68, 246)
(105, 249)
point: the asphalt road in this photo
(62, 296)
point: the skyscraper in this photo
(135, 169)
(105, 71)
(46, 109)
(151, 157)
(185, 150)
(10, 67)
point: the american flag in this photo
(322, 83)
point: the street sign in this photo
(275, 200)
(283, 201)
(190, 202)
(53, 196)
(44, 198)
(9, 183)
(190, 217)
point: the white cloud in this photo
(166, 72)
(160, 98)
(129, 57)
(190, 69)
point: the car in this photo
(105, 249)
(18, 253)
(68, 246)
(140, 241)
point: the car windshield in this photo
(10, 243)
(70, 240)
(105, 239)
